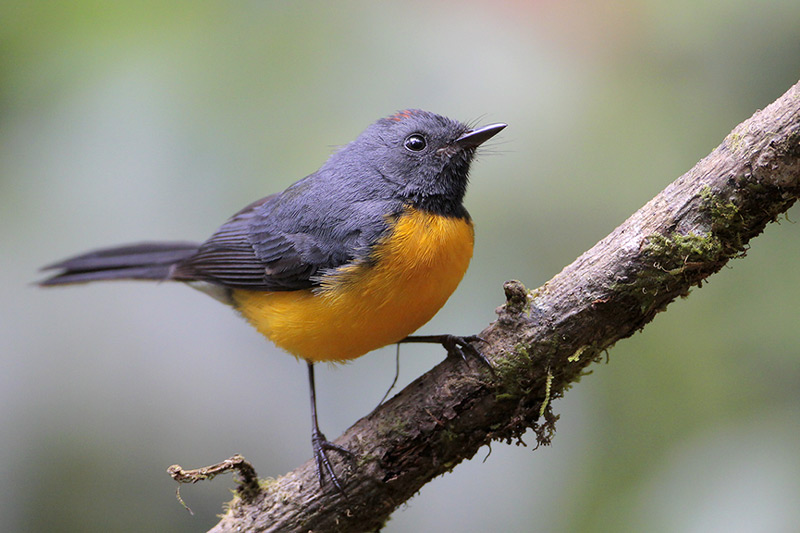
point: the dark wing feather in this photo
(239, 256)
(287, 241)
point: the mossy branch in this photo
(544, 339)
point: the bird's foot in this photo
(455, 345)
(324, 467)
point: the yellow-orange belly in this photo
(363, 306)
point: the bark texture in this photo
(543, 340)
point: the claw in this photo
(455, 345)
(462, 346)
(323, 465)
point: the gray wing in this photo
(279, 243)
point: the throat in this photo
(441, 205)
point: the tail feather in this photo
(147, 260)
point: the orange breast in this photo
(363, 306)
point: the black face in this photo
(419, 153)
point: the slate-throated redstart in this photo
(355, 256)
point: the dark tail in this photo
(147, 260)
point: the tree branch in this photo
(544, 339)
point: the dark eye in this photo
(415, 142)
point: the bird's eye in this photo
(415, 142)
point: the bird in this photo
(355, 256)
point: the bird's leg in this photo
(320, 444)
(456, 346)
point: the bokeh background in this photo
(129, 121)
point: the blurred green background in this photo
(130, 121)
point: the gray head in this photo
(413, 155)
